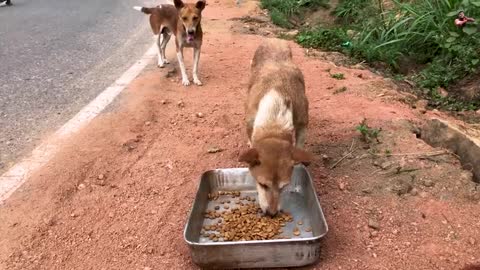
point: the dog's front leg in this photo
(300, 135)
(185, 80)
(196, 59)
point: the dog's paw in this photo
(161, 65)
(186, 82)
(197, 81)
(165, 61)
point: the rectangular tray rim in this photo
(255, 242)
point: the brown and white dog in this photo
(184, 21)
(276, 113)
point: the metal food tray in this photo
(299, 199)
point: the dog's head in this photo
(271, 49)
(190, 16)
(271, 164)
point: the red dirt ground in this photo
(118, 195)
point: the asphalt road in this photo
(55, 57)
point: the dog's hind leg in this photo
(196, 59)
(161, 62)
(165, 37)
(185, 80)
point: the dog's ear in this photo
(178, 4)
(250, 156)
(301, 156)
(200, 4)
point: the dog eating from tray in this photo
(276, 120)
(184, 21)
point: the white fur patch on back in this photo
(273, 110)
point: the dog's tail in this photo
(143, 9)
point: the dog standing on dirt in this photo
(276, 113)
(184, 21)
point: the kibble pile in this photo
(243, 222)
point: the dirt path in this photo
(117, 197)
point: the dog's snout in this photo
(271, 212)
(191, 31)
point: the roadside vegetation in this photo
(415, 40)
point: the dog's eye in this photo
(263, 186)
(184, 18)
(195, 18)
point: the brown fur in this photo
(184, 21)
(273, 154)
(272, 68)
(167, 16)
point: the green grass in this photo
(282, 10)
(338, 76)
(418, 30)
(323, 38)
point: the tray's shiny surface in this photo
(299, 199)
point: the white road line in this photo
(19, 173)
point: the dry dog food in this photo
(243, 222)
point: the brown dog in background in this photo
(184, 21)
(276, 113)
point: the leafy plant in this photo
(338, 76)
(368, 134)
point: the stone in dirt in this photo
(214, 149)
(386, 165)
(471, 241)
(291, 34)
(373, 224)
(401, 187)
(428, 183)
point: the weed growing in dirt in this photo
(368, 134)
(338, 76)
